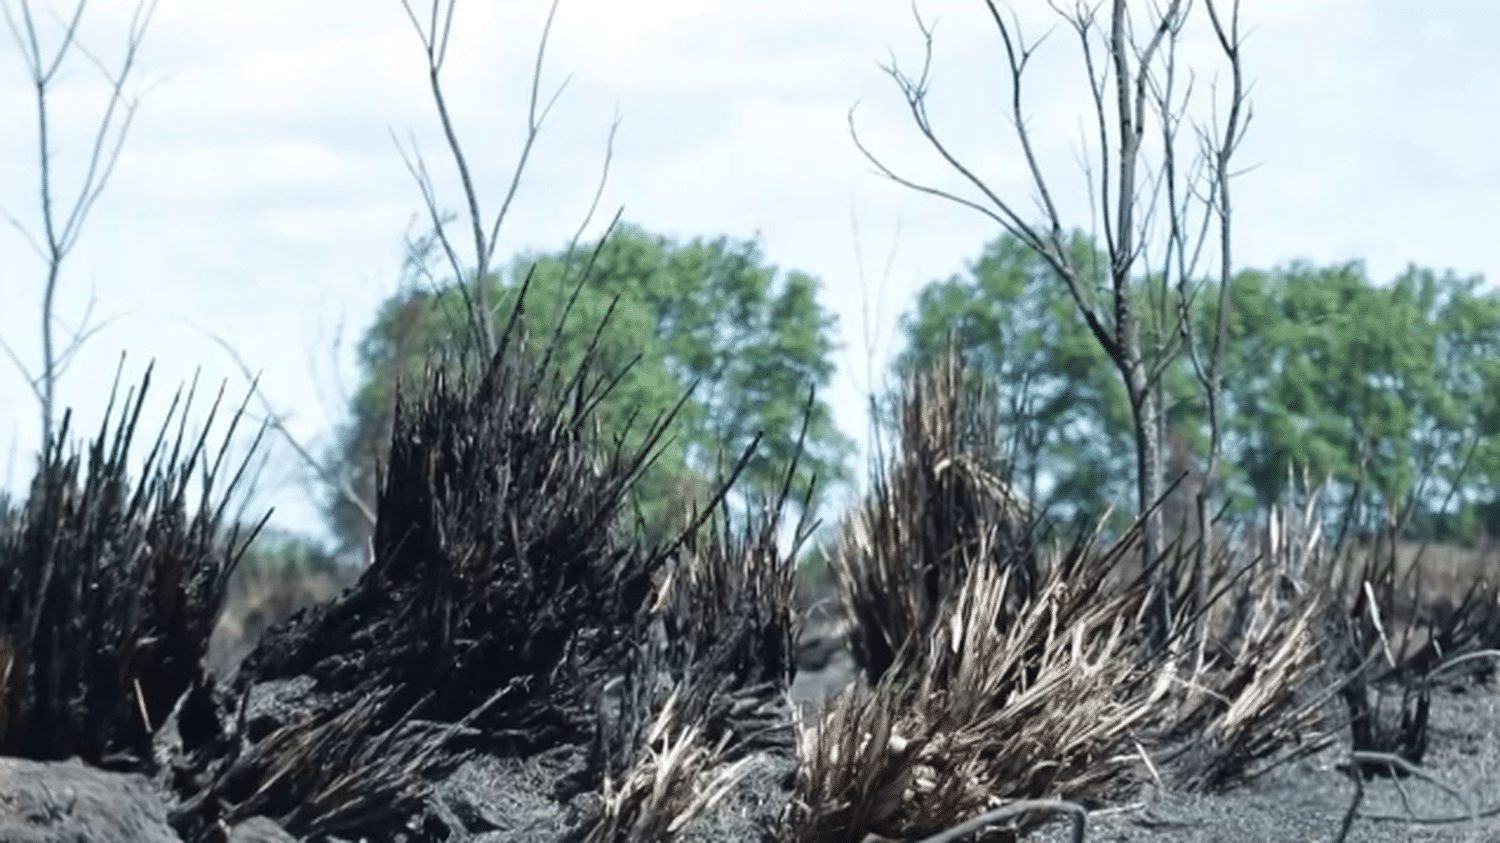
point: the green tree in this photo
(1069, 417)
(713, 313)
(1385, 389)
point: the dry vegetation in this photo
(514, 620)
(999, 668)
(512, 615)
(518, 662)
(111, 587)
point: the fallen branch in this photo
(1359, 795)
(1411, 769)
(1051, 806)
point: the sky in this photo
(260, 201)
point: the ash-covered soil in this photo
(1308, 800)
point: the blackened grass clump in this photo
(942, 507)
(501, 578)
(1396, 648)
(515, 631)
(704, 705)
(111, 587)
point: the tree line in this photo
(1124, 362)
(1381, 390)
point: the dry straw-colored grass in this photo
(999, 671)
(942, 506)
(1042, 707)
(678, 777)
(1243, 697)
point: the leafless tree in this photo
(61, 221)
(1158, 175)
(434, 26)
(435, 29)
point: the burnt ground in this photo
(1304, 800)
(518, 664)
(1308, 800)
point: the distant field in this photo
(1447, 572)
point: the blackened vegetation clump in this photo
(1397, 646)
(110, 587)
(515, 660)
(501, 587)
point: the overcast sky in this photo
(260, 198)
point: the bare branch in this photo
(80, 335)
(1017, 54)
(33, 381)
(1082, 21)
(1220, 150)
(435, 38)
(60, 229)
(417, 167)
(25, 234)
(435, 45)
(1396, 762)
(915, 93)
(534, 123)
(609, 157)
(277, 422)
(1049, 246)
(1014, 809)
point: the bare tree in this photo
(435, 32)
(351, 488)
(1155, 210)
(61, 222)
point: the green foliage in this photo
(1381, 389)
(705, 312)
(1384, 388)
(1011, 318)
(285, 554)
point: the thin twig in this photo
(434, 37)
(326, 474)
(1359, 795)
(1411, 769)
(60, 229)
(1025, 806)
(609, 157)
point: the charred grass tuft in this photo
(1000, 669)
(111, 586)
(705, 704)
(514, 609)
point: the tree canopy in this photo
(706, 314)
(1385, 390)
